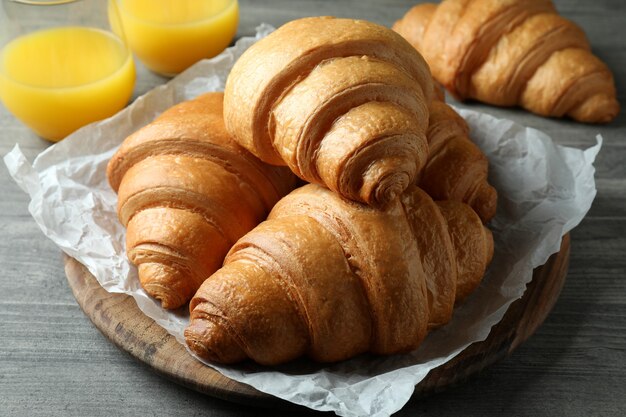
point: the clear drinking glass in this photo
(61, 67)
(170, 35)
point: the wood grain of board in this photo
(120, 320)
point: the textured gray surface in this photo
(54, 362)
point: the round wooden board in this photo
(118, 317)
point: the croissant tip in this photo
(486, 202)
(609, 116)
(387, 189)
(597, 109)
(612, 110)
(166, 304)
(211, 343)
(169, 299)
(194, 336)
(169, 284)
(489, 245)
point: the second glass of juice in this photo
(60, 65)
(170, 35)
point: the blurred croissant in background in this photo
(512, 52)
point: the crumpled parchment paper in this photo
(544, 191)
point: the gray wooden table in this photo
(54, 362)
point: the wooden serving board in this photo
(118, 317)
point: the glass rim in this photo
(120, 5)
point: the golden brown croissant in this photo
(513, 52)
(456, 168)
(343, 103)
(187, 192)
(329, 278)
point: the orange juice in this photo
(170, 35)
(57, 80)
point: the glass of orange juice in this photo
(170, 35)
(60, 65)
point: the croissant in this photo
(513, 52)
(186, 193)
(456, 168)
(329, 278)
(343, 103)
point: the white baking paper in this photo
(544, 191)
